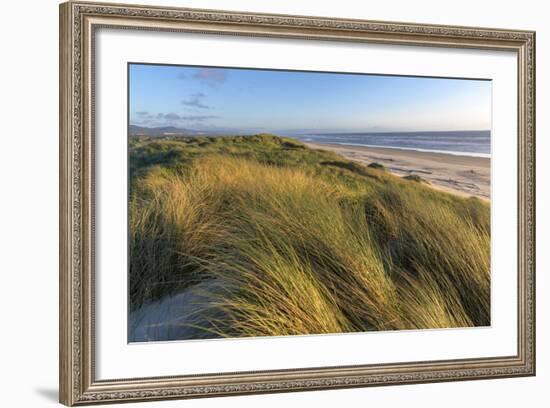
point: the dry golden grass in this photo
(300, 249)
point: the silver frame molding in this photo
(78, 22)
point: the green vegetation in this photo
(416, 178)
(302, 241)
(376, 165)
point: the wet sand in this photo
(462, 175)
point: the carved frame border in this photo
(78, 21)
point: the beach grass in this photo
(301, 241)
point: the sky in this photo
(293, 102)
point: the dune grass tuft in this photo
(416, 178)
(376, 165)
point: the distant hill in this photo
(163, 131)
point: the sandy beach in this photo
(462, 175)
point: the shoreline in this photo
(461, 175)
(452, 153)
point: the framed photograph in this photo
(256, 203)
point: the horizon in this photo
(319, 133)
(248, 101)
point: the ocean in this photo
(463, 143)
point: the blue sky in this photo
(287, 102)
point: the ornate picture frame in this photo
(79, 22)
